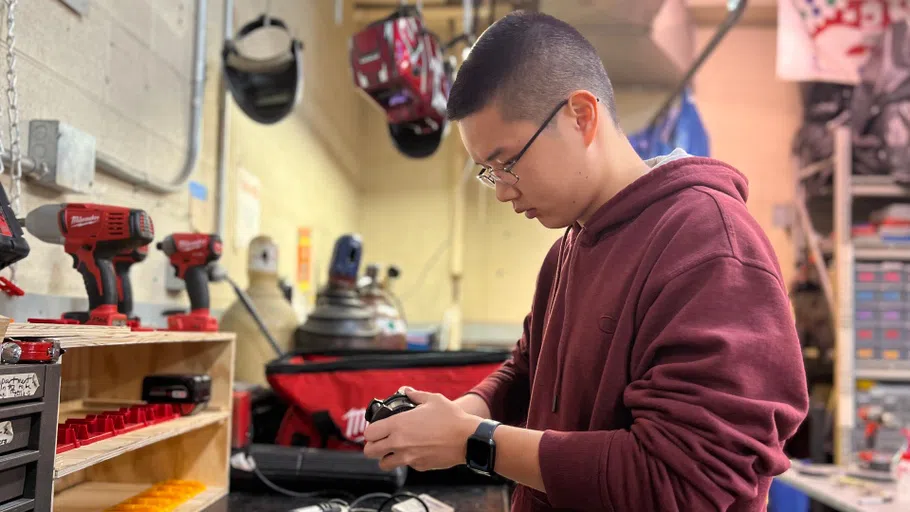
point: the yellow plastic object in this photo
(162, 497)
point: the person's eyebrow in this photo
(496, 152)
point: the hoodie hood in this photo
(664, 180)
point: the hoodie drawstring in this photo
(560, 350)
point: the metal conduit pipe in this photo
(28, 165)
(224, 126)
(118, 169)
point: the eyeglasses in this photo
(489, 176)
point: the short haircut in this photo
(527, 62)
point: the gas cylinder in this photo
(253, 349)
(341, 319)
(393, 332)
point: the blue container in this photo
(783, 498)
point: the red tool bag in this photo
(328, 392)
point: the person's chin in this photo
(550, 222)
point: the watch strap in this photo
(485, 429)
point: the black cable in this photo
(295, 494)
(353, 501)
(394, 498)
(251, 309)
(356, 505)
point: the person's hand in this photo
(434, 435)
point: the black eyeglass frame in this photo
(486, 175)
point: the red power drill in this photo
(122, 263)
(191, 254)
(875, 418)
(93, 234)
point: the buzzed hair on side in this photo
(527, 62)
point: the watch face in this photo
(479, 453)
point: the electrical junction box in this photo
(65, 153)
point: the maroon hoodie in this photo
(660, 356)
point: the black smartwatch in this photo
(481, 452)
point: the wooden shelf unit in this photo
(95, 496)
(102, 369)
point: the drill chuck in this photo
(167, 246)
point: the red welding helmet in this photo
(402, 68)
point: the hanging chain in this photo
(13, 114)
(2, 148)
(13, 111)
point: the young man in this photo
(659, 368)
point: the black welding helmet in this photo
(267, 90)
(416, 140)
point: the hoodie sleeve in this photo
(507, 391)
(716, 388)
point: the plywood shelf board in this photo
(99, 335)
(143, 338)
(15, 329)
(95, 496)
(87, 456)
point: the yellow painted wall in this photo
(503, 252)
(122, 74)
(307, 164)
(405, 218)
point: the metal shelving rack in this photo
(840, 294)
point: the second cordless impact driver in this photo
(122, 263)
(191, 254)
(93, 234)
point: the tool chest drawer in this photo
(20, 383)
(12, 483)
(29, 403)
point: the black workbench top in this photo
(464, 498)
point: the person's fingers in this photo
(392, 461)
(377, 449)
(419, 397)
(378, 430)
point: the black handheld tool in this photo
(382, 409)
(13, 246)
(122, 263)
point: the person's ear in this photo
(583, 106)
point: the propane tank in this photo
(393, 333)
(264, 291)
(341, 320)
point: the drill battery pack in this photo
(191, 392)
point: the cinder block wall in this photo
(122, 71)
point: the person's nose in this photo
(506, 193)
